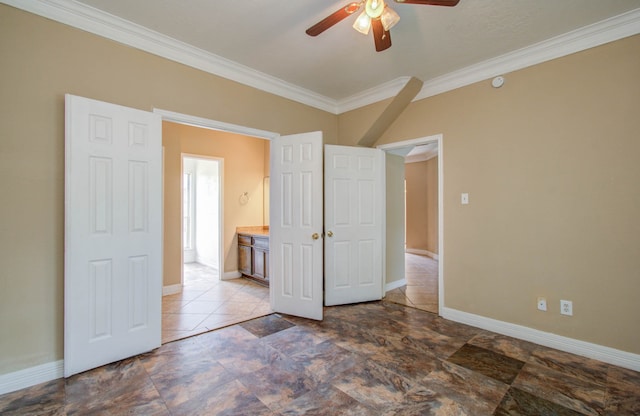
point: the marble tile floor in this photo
(421, 290)
(376, 358)
(207, 303)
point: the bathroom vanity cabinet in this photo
(253, 253)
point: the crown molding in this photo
(372, 95)
(605, 31)
(103, 24)
(111, 27)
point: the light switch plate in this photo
(464, 198)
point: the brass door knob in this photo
(330, 233)
(315, 236)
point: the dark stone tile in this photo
(325, 361)
(520, 403)
(353, 338)
(470, 391)
(326, 401)
(581, 367)
(433, 343)
(422, 401)
(489, 363)
(173, 354)
(415, 319)
(181, 381)
(221, 337)
(623, 392)
(408, 362)
(266, 325)
(293, 340)
(42, 399)
(278, 385)
(248, 356)
(119, 388)
(373, 385)
(223, 400)
(561, 388)
(502, 344)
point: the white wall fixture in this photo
(497, 82)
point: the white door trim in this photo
(207, 123)
(425, 140)
(214, 124)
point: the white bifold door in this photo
(345, 205)
(113, 234)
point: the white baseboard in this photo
(31, 376)
(231, 275)
(394, 285)
(574, 346)
(171, 289)
(422, 253)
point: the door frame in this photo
(436, 138)
(206, 123)
(220, 202)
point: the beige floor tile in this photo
(207, 303)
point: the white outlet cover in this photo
(542, 304)
(566, 307)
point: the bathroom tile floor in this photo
(376, 358)
(421, 290)
(207, 303)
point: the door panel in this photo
(113, 234)
(354, 224)
(296, 225)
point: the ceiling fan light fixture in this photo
(374, 8)
(389, 18)
(363, 23)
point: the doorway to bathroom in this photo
(204, 171)
(201, 219)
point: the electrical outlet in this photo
(566, 307)
(542, 304)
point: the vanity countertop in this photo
(260, 230)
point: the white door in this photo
(295, 246)
(354, 224)
(113, 234)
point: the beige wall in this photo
(243, 171)
(422, 205)
(40, 61)
(550, 161)
(395, 171)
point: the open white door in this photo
(295, 221)
(354, 223)
(113, 234)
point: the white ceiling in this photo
(428, 42)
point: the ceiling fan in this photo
(376, 15)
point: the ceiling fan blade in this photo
(381, 37)
(448, 3)
(333, 18)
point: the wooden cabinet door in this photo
(259, 263)
(244, 259)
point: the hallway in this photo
(421, 290)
